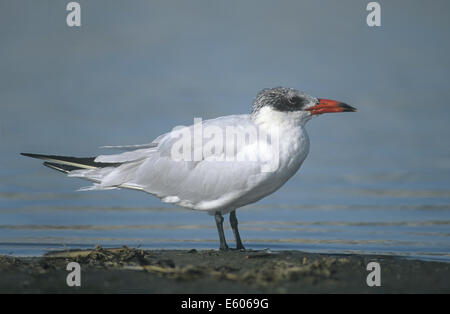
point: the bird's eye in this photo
(296, 100)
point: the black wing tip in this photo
(38, 156)
(64, 160)
(29, 155)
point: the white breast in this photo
(293, 147)
(216, 185)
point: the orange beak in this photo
(328, 105)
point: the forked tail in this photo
(87, 168)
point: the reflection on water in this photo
(414, 231)
(376, 181)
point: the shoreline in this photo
(130, 270)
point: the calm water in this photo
(376, 181)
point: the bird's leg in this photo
(234, 226)
(219, 223)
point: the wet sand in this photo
(126, 270)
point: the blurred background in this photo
(376, 181)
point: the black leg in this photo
(219, 223)
(234, 226)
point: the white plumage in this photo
(209, 185)
(216, 165)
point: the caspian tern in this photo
(196, 170)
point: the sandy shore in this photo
(180, 271)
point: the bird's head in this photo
(295, 103)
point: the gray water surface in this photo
(375, 181)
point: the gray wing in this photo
(211, 182)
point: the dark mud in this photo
(179, 271)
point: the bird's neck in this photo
(268, 118)
(291, 140)
(288, 127)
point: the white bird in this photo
(203, 167)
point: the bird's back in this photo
(215, 165)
